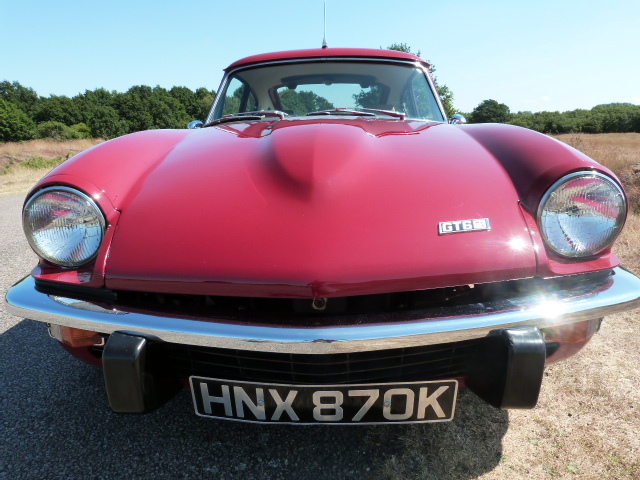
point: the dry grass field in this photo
(23, 164)
(618, 151)
(587, 422)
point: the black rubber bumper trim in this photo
(509, 369)
(131, 386)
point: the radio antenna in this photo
(324, 39)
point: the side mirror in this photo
(457, 119)
(195, 124)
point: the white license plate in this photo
(409, 402)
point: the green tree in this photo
(166, 111)
(402, 47)
(313, 102)
(15, 125)
(99, 96)
(56, 131)
(292, 103)
(24, 98)
(197, 104)
(303, 102)
(133, 106)
(445, 94)
(616, 117)
(187, 98)
(82, 130)
(490, 111)
(609, 118)
(369, 98)
(90, 99)
(205, 101)
(105, 122)
(57, 109)
(146, 108)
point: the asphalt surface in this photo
(56, 422)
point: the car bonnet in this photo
(319, 207)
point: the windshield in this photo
(301, 88)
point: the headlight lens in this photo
(63, 226)
(582, 214)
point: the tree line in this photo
(100, 113)
(608, 118)
(24, 115)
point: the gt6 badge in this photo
(460, 226)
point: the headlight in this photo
(63, 226)
(582, 214)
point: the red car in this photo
(326, 248)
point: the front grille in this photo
(336, 312)
(429, 362)
(294, 311)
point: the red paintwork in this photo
(320, 207)
(317, 53)
(550, 265)
(534, 161)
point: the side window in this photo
(239, 98)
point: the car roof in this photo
(325, 53)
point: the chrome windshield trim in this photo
(619, 293)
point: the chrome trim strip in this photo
(619, 293)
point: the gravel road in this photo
(56, 423)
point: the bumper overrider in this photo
(508, 368)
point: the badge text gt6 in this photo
(459, 226)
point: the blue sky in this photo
(537, 55)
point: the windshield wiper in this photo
(245, 116)
(342, 111)
(391, 113)
(361, 112)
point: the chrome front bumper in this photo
(620, 292)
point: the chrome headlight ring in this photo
(582, 214)
(63, 226)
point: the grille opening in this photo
(342, 311)
(420, 363)
(427, 362)
(296, 306)
(354, 310)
